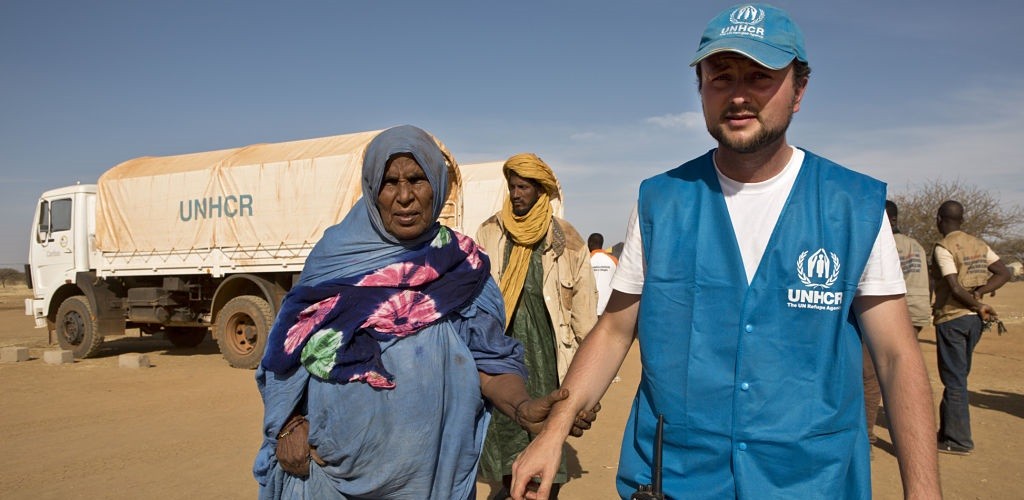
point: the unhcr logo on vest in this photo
(744, 22)
(818, 273)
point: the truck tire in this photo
(77, 328)
(242, 328)
(185, 336)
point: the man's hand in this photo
(979, 296)
(535, 468)
(987, 313)
(532, 413)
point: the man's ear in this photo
(798, 92)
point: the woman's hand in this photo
(530, 414)
(583, 420)
(507, 392)
(292, 448)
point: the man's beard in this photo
(764, 137)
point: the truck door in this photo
(51, 255)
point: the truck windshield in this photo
(60, 214)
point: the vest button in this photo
(749, 328)
(744, 386)
(743, 446)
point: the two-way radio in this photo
(653, 491)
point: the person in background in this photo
(543, 268)
(965, 269)
(603, 264)
(915, 276)
(386, 357)
(750, 275)
(913, 262)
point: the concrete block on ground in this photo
(58, 357)
(13, 354)
(133, 360)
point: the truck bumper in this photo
(34, 308)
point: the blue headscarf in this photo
(360, 243)
(362, 286)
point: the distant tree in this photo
(12, 276)
(1000, 225)
(1011, 250)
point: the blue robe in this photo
(420, 440)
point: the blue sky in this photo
(903, 91)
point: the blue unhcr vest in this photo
(760, 385)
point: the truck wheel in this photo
(242, 328)
(77, 330)
(185, 336)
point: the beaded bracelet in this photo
(516, 415)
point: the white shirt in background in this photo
(604, 268)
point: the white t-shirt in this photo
(754, 208)
(604, 268)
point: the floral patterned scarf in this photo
(335, 328)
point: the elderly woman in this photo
(377, 369)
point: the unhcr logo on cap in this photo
(744, 22)
(748, 14)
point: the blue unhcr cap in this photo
(761, 32)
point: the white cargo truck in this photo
(182, 245)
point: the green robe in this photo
(530, 325)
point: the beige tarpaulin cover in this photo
(264, 195)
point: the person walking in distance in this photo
(913, 263)
(915, 275)
(965, 269)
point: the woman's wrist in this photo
(293, 421)
(517, 416)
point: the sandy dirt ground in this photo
(188, 427)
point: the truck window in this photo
(60, 214)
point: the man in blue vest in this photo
(750, 275)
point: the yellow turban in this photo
(530, 166)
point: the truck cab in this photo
(62, 237)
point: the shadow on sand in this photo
(115, 346)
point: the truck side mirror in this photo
(43, 228)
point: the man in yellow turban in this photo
(542, 265)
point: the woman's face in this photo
(405, 200)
